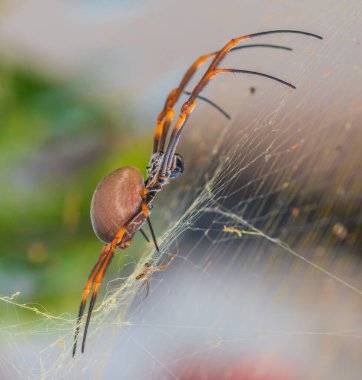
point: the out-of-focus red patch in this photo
(251, 367)
(263, 367)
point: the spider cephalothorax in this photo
(123, 200)
(154, 166)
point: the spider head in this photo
(177, 167)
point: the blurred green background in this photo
(56, 145)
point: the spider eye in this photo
(178, 166)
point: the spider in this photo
(148, 268)
(123, 200)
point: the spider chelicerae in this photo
(122, 201)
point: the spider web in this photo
(267, 220)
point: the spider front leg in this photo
(210, 72)
(190, 104)
(165, 117)
(167, 114)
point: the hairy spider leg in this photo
(188, 106)
(166, 115)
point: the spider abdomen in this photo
(116, 199)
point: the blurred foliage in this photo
(55, 147)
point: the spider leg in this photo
(153, 234)
(98, 279)
(163, 128)
(166, 115)
(166, 263)
(144, 206)
(212, 70)
(146, 213)
(188, 107)
(149, 268)
(167, 111)
(213, 104)
(96, 285)
(208, 101)
(145, 235)
(85, 295)
(147, 284)
(230, 45)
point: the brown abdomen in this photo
(116, 199)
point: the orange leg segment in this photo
(99, 277)
(167, 114)
(145, 210)
(96, 284)
(174, 95)
(86, 291)
(211, 71)
(95, 279)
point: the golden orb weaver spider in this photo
(122, 201)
